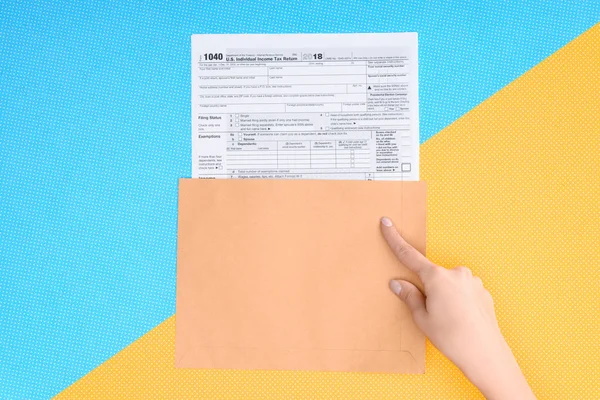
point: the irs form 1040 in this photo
(305, 106)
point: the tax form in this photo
(305, 106)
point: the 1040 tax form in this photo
(305, 106)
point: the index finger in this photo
(406, 254)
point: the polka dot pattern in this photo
(514, 194)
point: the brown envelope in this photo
(294, 275)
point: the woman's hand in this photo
(457, 314)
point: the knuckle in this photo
(409, 295)
(402, 249)
(464, 271)
(436, 270)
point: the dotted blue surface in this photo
(95, 132)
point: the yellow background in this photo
(514, 194)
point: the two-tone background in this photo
(94, 134)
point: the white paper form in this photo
(305, 106)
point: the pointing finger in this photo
(406, 254)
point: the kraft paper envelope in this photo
(288, 274)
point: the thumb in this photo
(411, 296)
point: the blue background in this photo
(95, 132)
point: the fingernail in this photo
(395, 286)
(386, 221)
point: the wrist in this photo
(496, 373)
